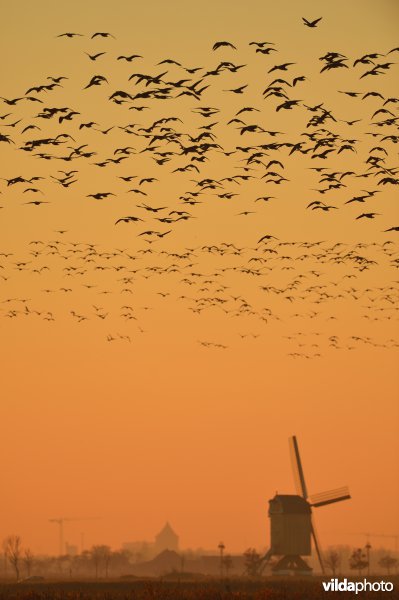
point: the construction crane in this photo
(61, 520)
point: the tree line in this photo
(101, 561)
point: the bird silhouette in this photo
(311, 24)
(102, 34)
(94, 57)
(218, 45)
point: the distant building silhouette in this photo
(166, 539)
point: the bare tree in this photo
(106, 555)
(388, 562)
(121, 560)
(28, 560)
(13, 551)
(332, 560)
(227, 564)
(358, 561)
(96, 554)
(4, 547)
(253, 562)
(101, 556)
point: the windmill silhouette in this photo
(292, 527)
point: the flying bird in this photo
(94, 57)
(96, 80)
(69, 35)
(311, 23)
(218, 45)
(370, 215)
(102, 34)
(267, 237)
(129, 58)
(239, 90)
(282, 67)
(128, 220)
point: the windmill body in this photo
(291, 524)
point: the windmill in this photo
(291, 524)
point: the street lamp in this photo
(368, 548)
(221, 547)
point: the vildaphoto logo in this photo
(344, 585)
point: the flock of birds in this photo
(271, 281)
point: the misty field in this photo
(167, 590)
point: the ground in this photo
(237, 589)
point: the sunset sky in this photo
(148, 379)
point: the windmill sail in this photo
(330, 497)
(297, 468)
(317, 545)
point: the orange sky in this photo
(159, 426)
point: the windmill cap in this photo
(288, 504)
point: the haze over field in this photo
(198, 259)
